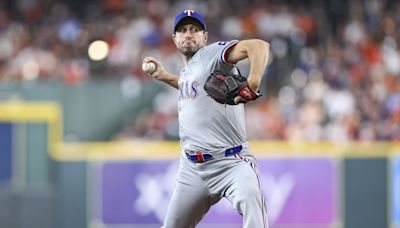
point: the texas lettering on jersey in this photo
(188, 90)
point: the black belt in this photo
(200, 157)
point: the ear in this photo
(174, 39)
(205, 35)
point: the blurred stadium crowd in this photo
(334, 72)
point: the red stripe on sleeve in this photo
(226, 51)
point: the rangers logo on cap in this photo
(189, 12)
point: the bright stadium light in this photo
(30, 70)
(98, 50)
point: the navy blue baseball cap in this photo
(189, 14)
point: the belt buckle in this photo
(199, 156)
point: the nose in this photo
(188, 34)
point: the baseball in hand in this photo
(149, 67)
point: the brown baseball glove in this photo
(223, 87)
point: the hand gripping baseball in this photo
(149, 67)
(153, 68)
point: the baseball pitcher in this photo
(216, 161)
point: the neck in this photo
(187, 57)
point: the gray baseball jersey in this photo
(211, 130)
(203, 123)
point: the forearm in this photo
(160, 73)
(258, 54)
(170, 79)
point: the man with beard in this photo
(216, 160)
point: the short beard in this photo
(188, 52)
